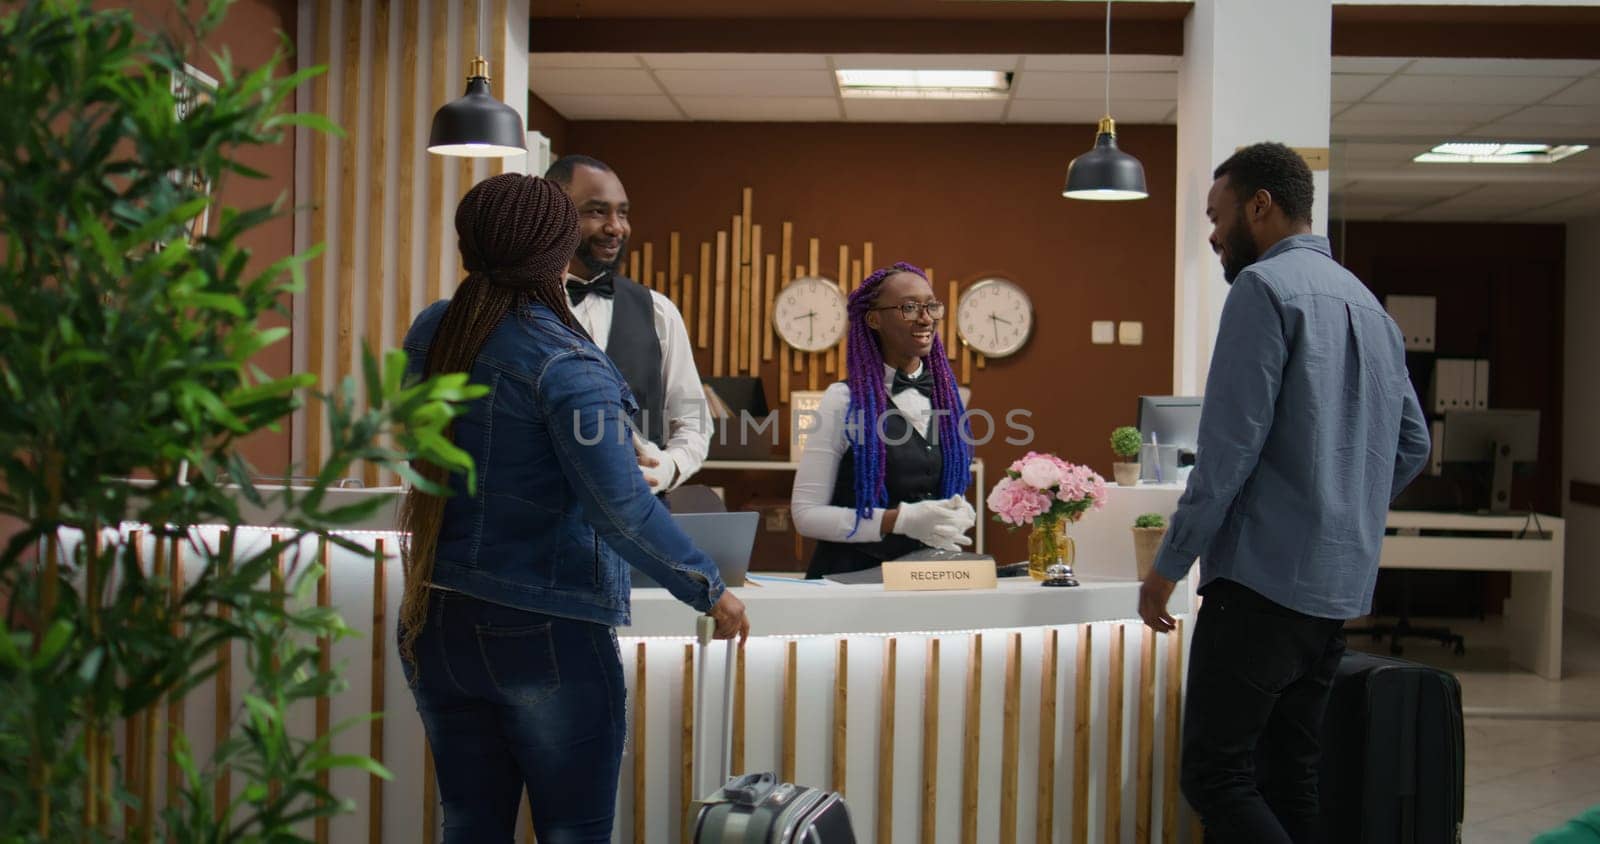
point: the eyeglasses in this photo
(910, 310)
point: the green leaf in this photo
(55, 640)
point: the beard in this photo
(597, 266)
(1240, 250)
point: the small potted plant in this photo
(1148, 531)
(1125, 442)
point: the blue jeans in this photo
(513, 699)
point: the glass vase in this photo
(1049, 544)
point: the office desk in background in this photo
(1464, 542)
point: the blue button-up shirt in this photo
(1310, 427)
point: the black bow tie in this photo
(603, 287)
(923, 383)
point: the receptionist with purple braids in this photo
(884, 472)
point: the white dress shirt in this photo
(813, 515)
(688, 415)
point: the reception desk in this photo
(1015, 714)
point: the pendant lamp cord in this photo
(482, 27)
(1108, 58)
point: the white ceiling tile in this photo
(1423, 113)
(1580, 133)
(1432, 132)
(596, 81)
(1097, 63)
(1367, 64)
(1035, 85)
(1485, 90)
(1350, 87)
(1351, 153)
(1087, 111)
(1585, 93)
(1555, 115)
(1365, 210)
(761, 109)
(1503, 67)
(735, 61)
(929, 111)
(540, 61)
(749, 83)
(1379, 189)
(587, 107)
(904, 61)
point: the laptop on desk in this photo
(727, 538)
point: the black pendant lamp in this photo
(476, 125)
(1105, 172)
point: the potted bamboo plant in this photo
(129, 336)
(1148, 531)
(1125, 444)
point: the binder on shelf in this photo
(1480, 385)
(1416, 317)
(1436, 450)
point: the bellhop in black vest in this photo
(911, 473)
(634, 347)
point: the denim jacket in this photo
(560, 508)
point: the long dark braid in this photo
(869, 401)
(516, 234)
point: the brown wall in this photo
(967, 200)
(251, 33)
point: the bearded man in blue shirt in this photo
(1309, 429)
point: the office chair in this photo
(695, 498)
(1402, 628)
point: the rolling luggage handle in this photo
(705, 627)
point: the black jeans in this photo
(513, 700)
(1259, 677)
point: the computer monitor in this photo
(1498, 437)
(1173, 423)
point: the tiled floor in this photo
(1533, 746)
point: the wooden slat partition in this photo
(1114, 675)
(735, 274)
(686, 740)
(971, 740)
(757, 299)
(1080, 737)
(791, 694)
(223, 788)
(841, 719)
(133, 725)
(720, 303)
(640, 780)
(316, 271)
(1045, 782)
(380, 627)
(175, 706)
(467, 167)
(350, 110)
(769, 281)
(406, 181)
(885, 814)
(930, 746)
(1011, 731)
(1169, 777)
(445, 80)
(737, 751)
(377, 152)
(324, 705)
(1147, 729)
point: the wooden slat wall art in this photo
(380, 627)
(1010, 739)
(971, 739)
(841, 716)
(640, 780)
(384, 79)
(1045, 782)
(737, 750)
(886, 743)
(686, 740)
(735, 265)
(1080, 738)
(930, 746)
(376, 156)
(1114, 736)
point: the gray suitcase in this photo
(757, 807)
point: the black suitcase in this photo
(757, 807)
(1393, 754)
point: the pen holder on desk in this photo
(1158, 463)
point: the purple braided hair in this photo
(869, 401)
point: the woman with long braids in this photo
(884, 473)
(514, 588)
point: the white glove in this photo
(660, 476)
(941, 524)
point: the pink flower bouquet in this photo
(1040, 488)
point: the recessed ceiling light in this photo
(924, 84)
(1494, 152)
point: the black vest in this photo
(636, 350)
(911, 473)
